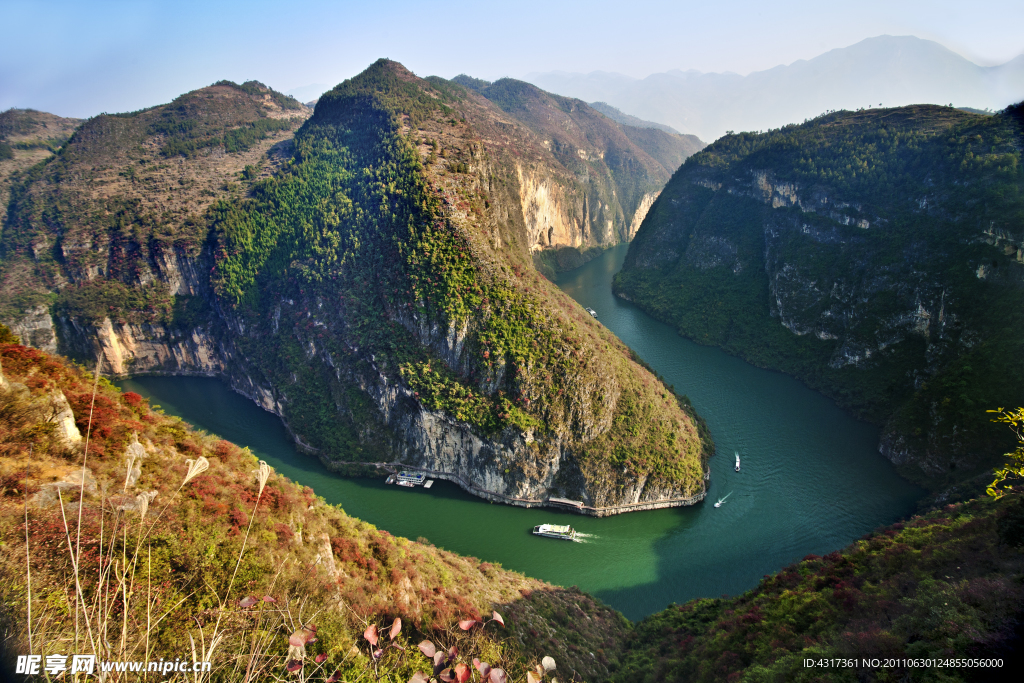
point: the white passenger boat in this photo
(562, 531)
(592, 312)
(737, 462)
(410, 479)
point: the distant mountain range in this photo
(625, 119)
(886, 70)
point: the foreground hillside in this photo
(371, 280)
(183, 547)
(876, 255)
(207, 541)
(943, 586)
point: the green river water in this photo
(811, 481)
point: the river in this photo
(811, 481)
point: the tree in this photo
(1014, 468)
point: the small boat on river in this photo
(408, 479)
(737, 462)
(562, 531)
(722, 500)
(592, 312)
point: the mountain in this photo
(199, 553)
(139, 182)
(26, 138)
(886, 70)
(876, 255)
(367, 277)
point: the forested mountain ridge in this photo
(616, 114)
(371, 283)
(876, 255)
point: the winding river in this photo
(811, 482)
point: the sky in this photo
(83, 58)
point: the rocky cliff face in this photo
(641, 212)
(883, 244)
(590, 179)
(434, 344)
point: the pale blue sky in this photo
(81, 58)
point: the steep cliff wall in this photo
(641, 213)
(596, 178)
(373, 287)
(872, 254)
(552, 219)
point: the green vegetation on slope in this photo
(930, 289)
(352, 253)
(946, 584)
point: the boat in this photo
(722, 500)
(592, 312)
(737, 462)
(562, 531)
(410, 479)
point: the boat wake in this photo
(721, 501)
(582, 538)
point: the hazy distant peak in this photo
(882, 70)
(619, 116)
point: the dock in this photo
(575, 504)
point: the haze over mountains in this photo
(887, 70)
